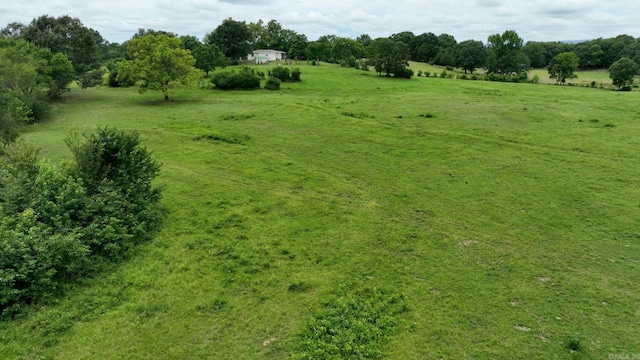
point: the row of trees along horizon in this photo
(50, 52)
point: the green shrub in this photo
(114, 82)
(90, 79)
(245, 79)
(272, 84)
(295, 74)
(282, 73)
(443, 74)
(427, 73)
(405, 73)
(117, 174)
(57, 223)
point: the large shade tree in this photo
(470, 55)
(66, 35)
(562, 67)
(297, 49)
(157, 60)
(208, 58)
(622, 72)
(505, 53)
(388, 56)
(232, 37)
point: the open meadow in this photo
(498, 220)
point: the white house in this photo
(264, 56)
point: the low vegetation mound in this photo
(351, 327)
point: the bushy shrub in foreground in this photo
(59, 222)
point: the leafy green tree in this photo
(470, 55)
(632, 51)
(66, 35)
(622, 72)
(318, 50)
(405, 37)
(62, 74)
(388, 56)
(537, 54)
(343, 49)
(232, 37)
(208, 58)
(271, 36)
(28, 75)
(190, 42)
(562, 67)
(157, 61)
(505, 53)
(298, 47)
(425, 47)
(144, 32)
(12, 31)
(364, 39)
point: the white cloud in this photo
(539, 20)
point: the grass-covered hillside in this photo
(404, 219)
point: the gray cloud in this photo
(537, 20)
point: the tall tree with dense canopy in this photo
(425, 47)
(28, 75)
(297, 49)
(208, 58)
(388, 56)
(622, 72)
(157, 60)
(232, 37)
(66, 35)
(190, 42)
(470, 55)
(505, 53)
(318, 50)
(562, 67)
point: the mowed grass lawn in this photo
(505, 214)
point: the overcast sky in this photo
(534, 20)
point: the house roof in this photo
(269, 51)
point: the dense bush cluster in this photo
(284, 74)
(246, 79)
(272, 84)
(60, 222)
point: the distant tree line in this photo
(40, 59)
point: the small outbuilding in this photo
(265, 56)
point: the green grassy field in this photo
(506, 215)
(601, 77)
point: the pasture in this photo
(505, 216)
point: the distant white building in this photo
(264, 56)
